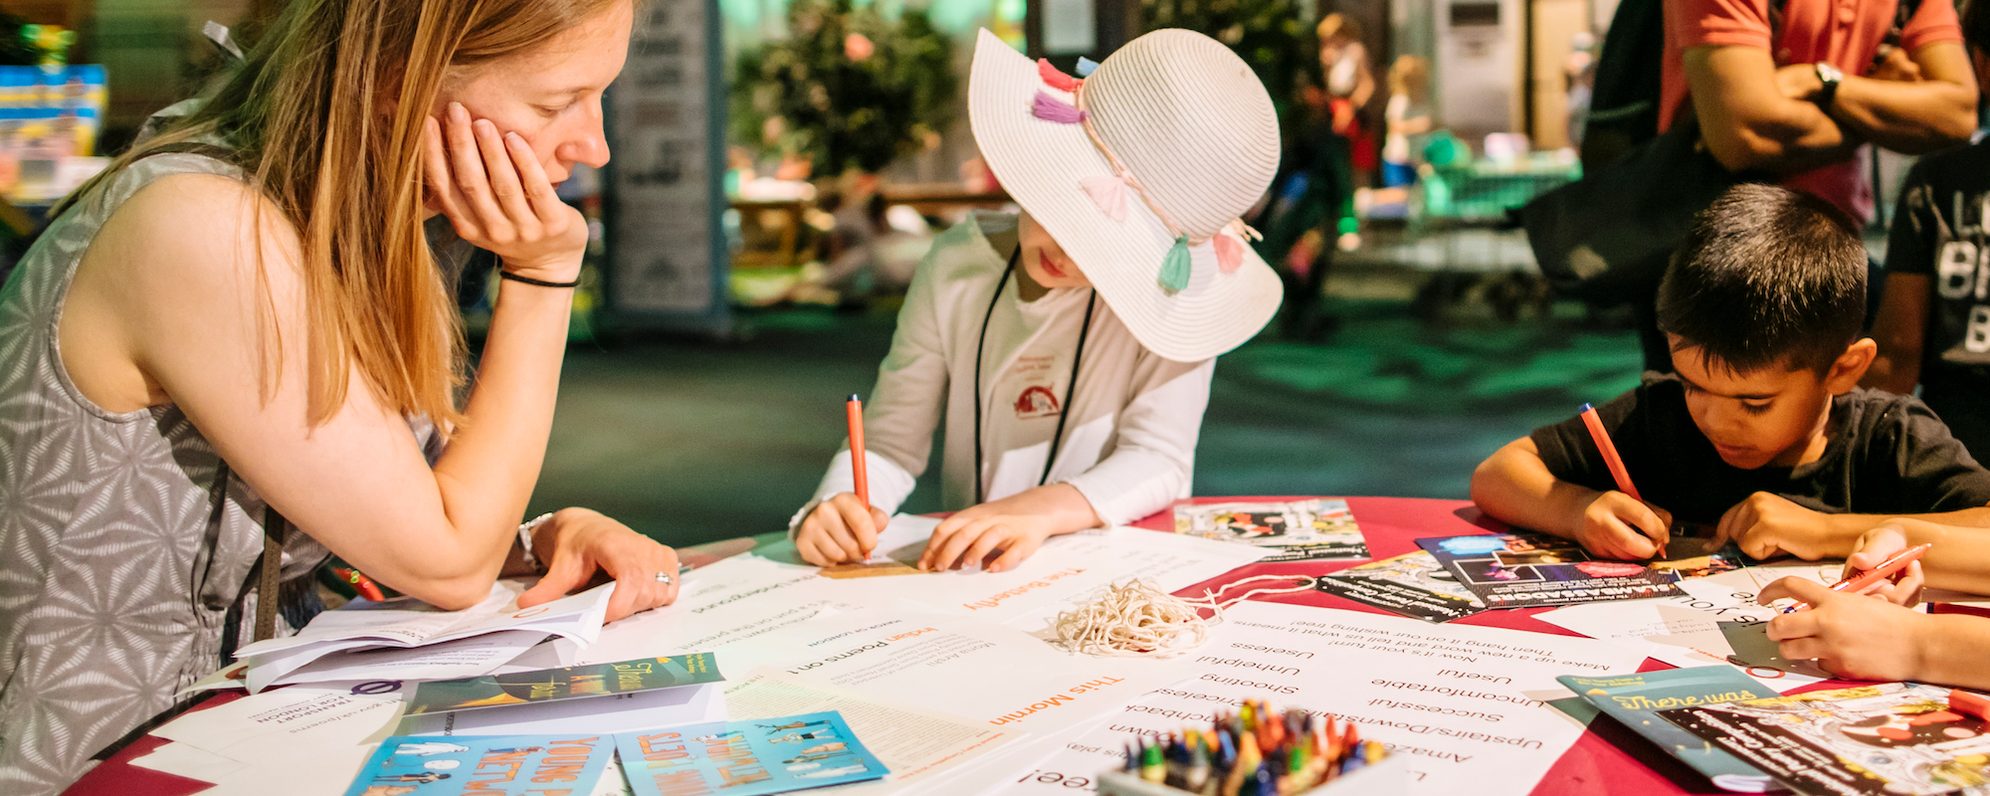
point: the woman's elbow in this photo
(453, 594)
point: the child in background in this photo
(1066, 351)
(1933, 326)
(1763, 427)
(1408, 118)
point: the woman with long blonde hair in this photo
(236, 352)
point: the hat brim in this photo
(1041, 162)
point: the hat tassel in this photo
(1175, 266)
(1108, 193)
(1052, 109)
(1086, 66)
(1229, 252)
(1054, 78)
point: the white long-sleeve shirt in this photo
(1129, 445)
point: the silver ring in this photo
(665, 578)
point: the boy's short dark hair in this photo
(1767, 277)
(1976, 24)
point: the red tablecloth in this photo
(1599, 761)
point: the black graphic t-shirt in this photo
(1939, 231)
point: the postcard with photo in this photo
(1899, 739)
(1413, 585)
(1303, 530)
(1527, 570)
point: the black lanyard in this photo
(1063, 410)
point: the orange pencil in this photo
(1609, 451)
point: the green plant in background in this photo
(849, 88)
(1274, 36)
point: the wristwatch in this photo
(1828, 77)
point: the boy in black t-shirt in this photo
(1763, 428)
(1933, 326)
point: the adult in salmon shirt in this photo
(1805, 103)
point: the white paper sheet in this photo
(312, 738)
(467, 657)
(1716, 622)
(920, 747)
(192, 762)
(1064, 569)
(605, 714)
(987, 674)
(1462, 702)
(725, 606)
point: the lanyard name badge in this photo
(1064, 409)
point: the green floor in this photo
(691, 441)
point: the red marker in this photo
(360, 583)
(1609, 451)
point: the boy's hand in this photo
(1850, 635)
(841, 530)
(1616, 525)
(1765, 525)
(1873, 549)
(967, 538)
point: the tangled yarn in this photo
(1135, 618)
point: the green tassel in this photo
(1174, 267)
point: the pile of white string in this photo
(1134, 618)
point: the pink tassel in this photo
(1229, 252)
(1109, 193)
(1055, 79)
(1052, 109)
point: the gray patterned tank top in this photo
(129, 552)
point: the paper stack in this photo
(407, 640)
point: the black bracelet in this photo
(505, 274)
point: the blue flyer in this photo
(746, 758)
(407, 765)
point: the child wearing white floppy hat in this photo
(1068, 349)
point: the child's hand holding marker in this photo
(840, 530)
(1850, 635)
(1617, 525)
(1872, 551)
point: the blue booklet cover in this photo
(745, 758)
(1635, 699)
(407, 765)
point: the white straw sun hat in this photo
(1140, 172)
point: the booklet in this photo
(747, 758)
(486, 764)
(1526, 570)
(1635, 699)
(1899, 739)
(572, 682)
(1303, 530)
(406, 623)
(1413, 585)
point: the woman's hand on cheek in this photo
(496, 195)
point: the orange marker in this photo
(855, 411)
(1609, 451)
(1970, 703)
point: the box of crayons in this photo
(1257, 751)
